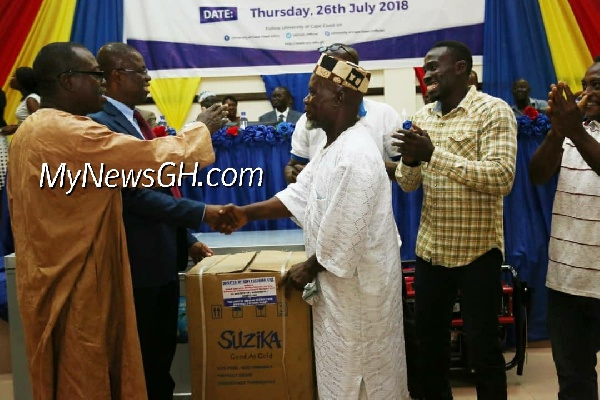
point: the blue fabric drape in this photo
(515, 46)
(6, 247)
(237, 156)
(97, 22)
(527, 219)
(297, 84)
(407, 213)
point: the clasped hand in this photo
(414, 145)
(225, 219)
(564, 112)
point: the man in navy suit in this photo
(281, 99)
(156, 221)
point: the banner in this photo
(223, 38)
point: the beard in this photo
(311, 124)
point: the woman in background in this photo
(24, 82)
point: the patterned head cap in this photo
(343, 73)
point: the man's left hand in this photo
(566, 116)
(198, 251)
(299, 275)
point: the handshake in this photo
(225, 219)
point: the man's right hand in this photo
(214, 117)
(291, 172)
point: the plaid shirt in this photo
(471, 169)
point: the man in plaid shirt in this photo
(462, 148)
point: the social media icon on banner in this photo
(227, 38)
(288, 35)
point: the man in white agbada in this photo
(343, 200)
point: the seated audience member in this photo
(520, 91)
(73, 278)
(381, 118)
(207, 99)
(149, 117)
(231, 103)
(281, 100)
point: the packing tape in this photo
(203, 314)
(283, 320)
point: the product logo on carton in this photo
(249, 340)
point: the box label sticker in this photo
(249, 292)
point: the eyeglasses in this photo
(99, 75)
(143, 71)
(336, 47)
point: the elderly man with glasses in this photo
(381, 118)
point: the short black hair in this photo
(111, 55)
(52, 60)
(460, 51)
(26, 80)
(229, 97)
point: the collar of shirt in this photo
(465, 103)
(592, 125)
(285, 113)
(127, 113)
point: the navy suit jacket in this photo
(292, 117)
(155, 222)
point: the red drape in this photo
(16, 19)
(587, 13)
(420, 73)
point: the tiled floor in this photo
(537, 382)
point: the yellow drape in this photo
(570, 54)
(52, 24)
(174, 97)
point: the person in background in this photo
(520, 91)
(2, 108)
(281, 100)
(207, 99)
(149, 117)
(157, 221)
(343, 201)
(473, 79)
(462, 149)
(72, 271)
(231, 103)
(572, 150)
(23, 81)
(382, 119)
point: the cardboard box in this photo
(247, 341)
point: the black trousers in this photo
(435, 294)
(156, 310)
(574, 327)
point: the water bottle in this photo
(243, 120)
(162, 122)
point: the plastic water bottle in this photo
(162, 122)
(243, 120)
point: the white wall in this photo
(399, 91)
